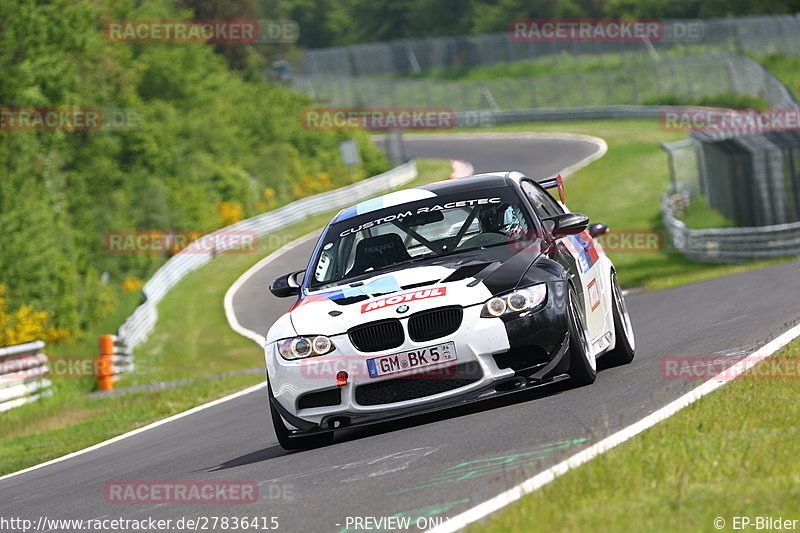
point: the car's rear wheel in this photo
(625, 347)
(294, 443)
(582, 364)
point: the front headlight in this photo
(302, 347)
(514, 302)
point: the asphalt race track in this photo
(537, 157)
(437, 465)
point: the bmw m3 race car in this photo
(433, 297)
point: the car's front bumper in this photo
(487, 390)
(492, 348)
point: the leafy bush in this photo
(210, 147)
(25, 325)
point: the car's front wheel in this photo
(625, 347)
(294, 443)
(582, 363)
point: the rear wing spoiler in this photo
(552, 183)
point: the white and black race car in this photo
(433, 297)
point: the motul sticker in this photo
(594, 294)
(403, 298)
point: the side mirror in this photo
(566, 224)
(597, 229)
(287, 285)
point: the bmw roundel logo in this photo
(402, 308)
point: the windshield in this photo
(430, 228)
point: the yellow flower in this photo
(230, 213)
(132, 284)
(26, 325)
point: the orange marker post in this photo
(105, 371)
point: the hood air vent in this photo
(467, 271)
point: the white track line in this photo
(602, 148)
(601, 145)
(460, 169)
(234, 324)
(543, 478)
(230, 312)
(142, 429)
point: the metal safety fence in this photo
(669, 81)
(138, 326)
(753, 180)
(740, 35)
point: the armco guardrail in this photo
(729, 245)
(23, 370)
(139, 325)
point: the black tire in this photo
(294, 443)
(581, 370)
(625, 348)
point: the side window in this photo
(544, 204)
(515, 220)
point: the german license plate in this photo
(412, 359)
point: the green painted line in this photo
(494, 465)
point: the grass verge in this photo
(63, 423)
(733, 453)
(552, 64)
(698, 215)
(192, 339)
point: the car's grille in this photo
(377, 336)
(419, 386)
(429, 325)
(320, 399)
